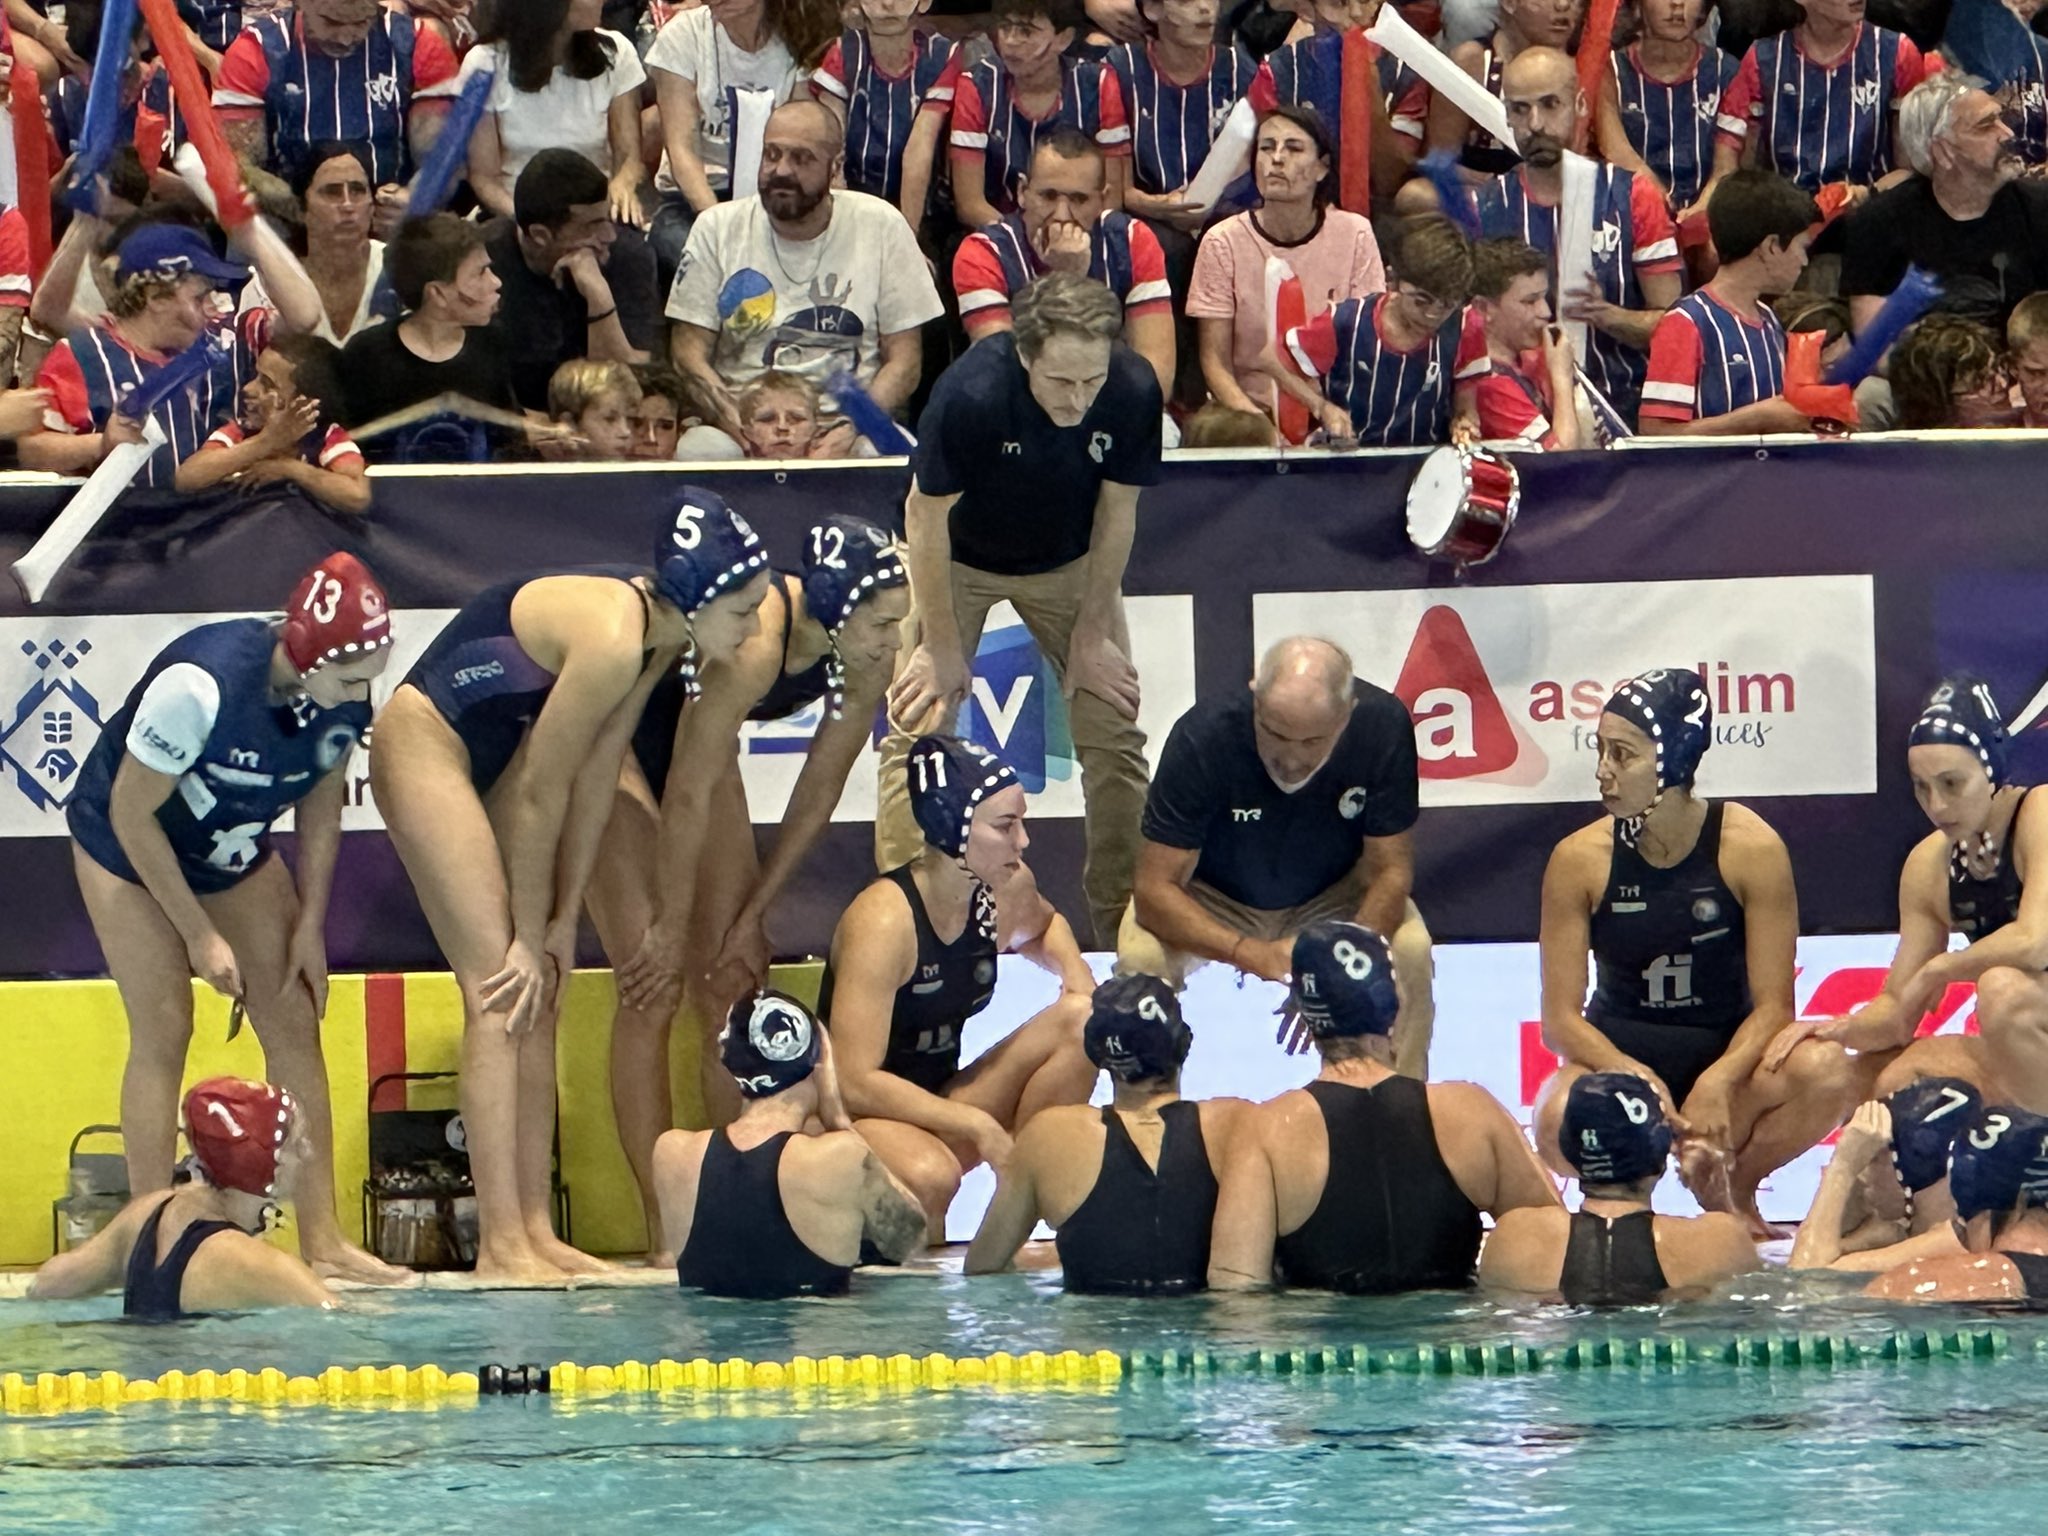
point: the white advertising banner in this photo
(1506, 684)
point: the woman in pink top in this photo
(1331, 251)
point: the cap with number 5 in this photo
(1344, 980)
(708, 549)
(1135, 1031)
(1614, 1129)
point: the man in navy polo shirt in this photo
(1025, 485)
(1277, 808)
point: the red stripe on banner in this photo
(1537, 1061)
(384, 1037)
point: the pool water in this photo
(1929, 1446)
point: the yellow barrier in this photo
(64, 1043)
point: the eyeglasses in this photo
(1422, 299)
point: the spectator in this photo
(556, 259)
(446, 343)
(1662, 113)
(596, 401)
(2026, 349)
(1024, 488)
(1218, 426)
(665, 408)
(1635, 275)
(1717, 358)
(214, 23)
(779, 413)
(892, 84)
(1064, 225)
(1966, 217)
(2024, 96)
(1331, 251)
(1522, 24)
(145, 107)
(564, 82)
(801, 278)
(1309, 72)
(344, 262)
(1948, 371)
(287, 429)
(1385, 366)
(1530, 362)
(706, 50)
(1031, 87)
(335, 69)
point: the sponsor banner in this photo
(1487, 1033)
(1506, 684)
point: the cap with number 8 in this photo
(1344, 980)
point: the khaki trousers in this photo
(1110, 749)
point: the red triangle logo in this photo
(1461, 731)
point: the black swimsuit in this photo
(154, 1291)
(1612, 1263)
(1979, 908)
(2033, 1270)
(1144, 1231)
(1391, 1218)
(741, 1242)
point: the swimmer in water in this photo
(766, 1207)
(1998, 1174)
(1688, 910)
(232, 725)
(200, 1248)
(914, 958)
(1365, 1181)
(1613, 1251)
(1129, 1189)
(1885, 1197)
(496, 764)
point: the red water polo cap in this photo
(237, 1130)
(337, 612)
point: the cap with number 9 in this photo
(1135, 1031)
(1614, 1130)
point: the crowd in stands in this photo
(698, 231)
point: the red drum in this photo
(1462, 505)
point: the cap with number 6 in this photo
(1614, 1130)
(1344, 980)
(1135, 1032)
(1999, 1162)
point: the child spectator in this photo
(665, 408)
(1373, 139)
(779, 415)
(1218, 426)
(1521, 24)
(1530, 366)
(1947, 371)
(287, 430)
(1178, 86)
(596, 400)
(2026, 346)
(1663, 110)
(1029, 89)
(892, 84)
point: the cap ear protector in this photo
(949, 778)
(1670, 705)
(1962, 713)
(709, 550)
(337, 612)
(1135, 1031)
(846, 561)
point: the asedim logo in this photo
(53, 725)
(1016, 710)
(1461, 729)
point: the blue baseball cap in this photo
(1614, 1129)
(1135, 1031)
(175, 250)
(1344, 980)
(1925, 1119)
(770, 1043)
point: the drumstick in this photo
(102, 106)
(195, 101)
(35, 570)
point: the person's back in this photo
(1998, 1176)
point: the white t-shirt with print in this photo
(695, 47)
(566, 114)
(809, 307)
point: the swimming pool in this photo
(1931, 1446)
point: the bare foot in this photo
(1760, 1231)
(570, 1261)
(345, 1261)
(520, 1269)
(659, 1258)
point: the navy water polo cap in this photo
(1614, 1129)
(707, 550)
(1135, 1031)
(1999, 1161)
(1962, 713)
(770, 1043)
(1671, 706)
(1925, 1119)
(847, 560)
(1344, 980)
(948, 779)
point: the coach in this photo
(1275, 808)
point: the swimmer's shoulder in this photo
(1743, 831)
(552, 613)
(1699, 1250)
(233, 1270)
(1951, 1277)
(1583, 858)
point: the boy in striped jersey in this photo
(1004, 105)
(1530, 365)
(891, 83)
(1717, 360)
(1386, 367)
(1178, 86)
(1661, 107)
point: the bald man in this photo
(1275, 808)
(803, 279)
(1634, 275)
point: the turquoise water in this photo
(1927, 1447)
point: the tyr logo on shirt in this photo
(1238, 815)
(1099, 443)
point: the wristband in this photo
(595, 319)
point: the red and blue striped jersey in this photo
(1817, 123)
(1310, 73)
(1173, 125)
(1632, 235)
(1396, 399)
(148, 122)
(304, 95)
(1673, 124)
(989, 125)
(881, 107)
(216, 21)
(993, 263)
(1706, 360)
